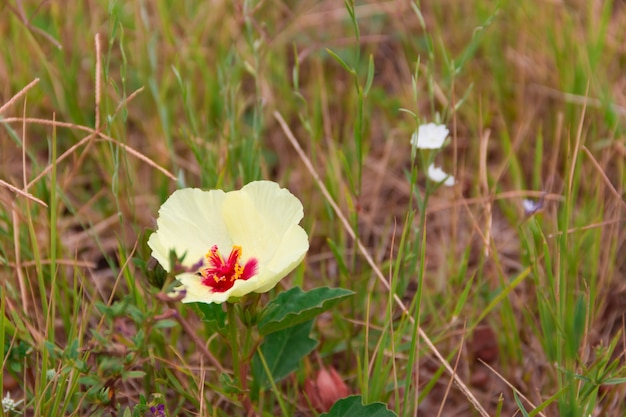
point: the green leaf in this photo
(213, 315)
(229, 385)
(295, 306)
(370, 76)
(520, 405)
(282, 351)
(341, 62)
(89, 380)
(133, 374)
(614, 381)
(339, 257)
(353, 407)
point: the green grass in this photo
(188, 96)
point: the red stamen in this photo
(221, 273)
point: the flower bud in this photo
(325, 389)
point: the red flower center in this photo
(221, 273)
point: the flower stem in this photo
(233, 338)
(240, 356)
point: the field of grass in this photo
(467, 301)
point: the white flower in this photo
(240, 242)
(429, 136)
(437, 174)
(9, 405)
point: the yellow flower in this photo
(233, 243)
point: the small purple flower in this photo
(158, 411)
(531, 207)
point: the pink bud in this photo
(327, 388)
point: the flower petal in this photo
(289, 254)
(189, 223)
(197, 292)
(283, 208)
(437, 174)
(263, 219)
(531, 206)
(258, 216)
(429, 136)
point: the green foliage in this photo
(520, 405)
(213, 315)
(281, 353)
(15, 355)
(353, 407)
(295, 306)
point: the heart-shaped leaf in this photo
(353, 407)
(296, 306)
(282, 352)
